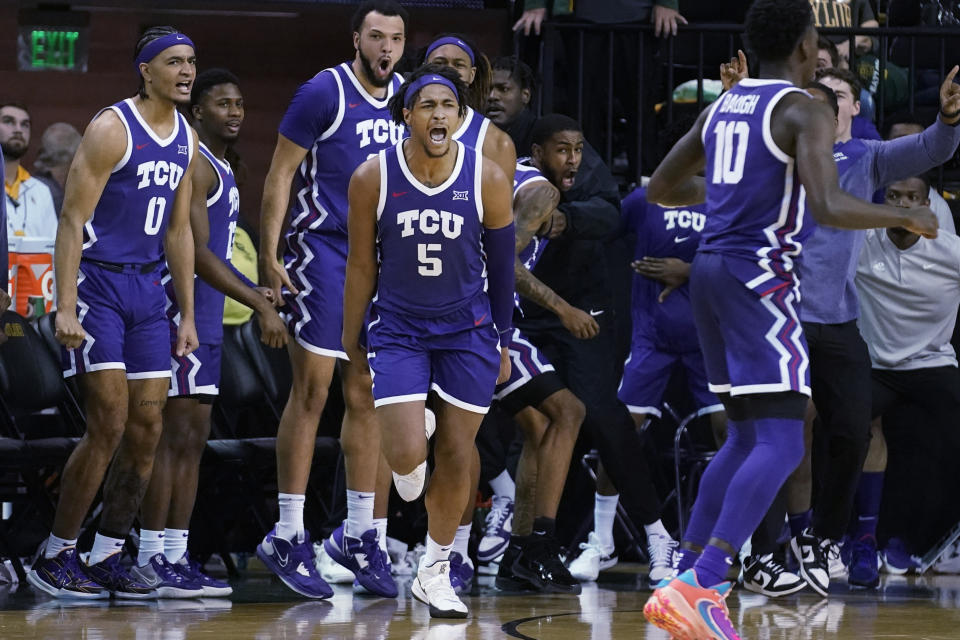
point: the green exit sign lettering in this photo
(53, 49)
(52, 40)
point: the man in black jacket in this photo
(575, 267)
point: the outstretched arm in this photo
(812, 124)
(361, 281)
(103, 145)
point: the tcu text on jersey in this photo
(379, 131)
(159, 173)
(684, 219)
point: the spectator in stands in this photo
(508, 105)
(58, 144)
(860, 126)
(908, 125)
(664, 14)
(909, 292)
(30, 208)
(828, 56)
(847, 14)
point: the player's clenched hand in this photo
(580, 323)
(531, 19)
(68, 330)
(273, 331)
(504, 365)
(950, 98)
(275, 278)
(923, 221)
(187, 341)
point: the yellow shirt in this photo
(244, 258)
(13, 188)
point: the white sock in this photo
(656, 529)
(55, 545)
(103, 548)
(175, 543)
(604, 511)
(504, 486)
(359, 513)
(151, 543)
(461, 542)
(436, 552)
(290, 525)
(380, 524)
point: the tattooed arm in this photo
(533, 208)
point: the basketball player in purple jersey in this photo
(216, 105)
(125, 209)
(336, 120)
(744, 291)
(548, 413)
(431, 235)
(476, 131)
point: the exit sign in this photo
(52, 41)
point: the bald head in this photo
(58, 144)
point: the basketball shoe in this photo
(293, 562)
(811, 553)
(63, 576)
(432, 587)
(164, 577)
(496, 536)
(364, 558)
(766, 574)
(690, 612)
(461, 573)
(593, 559)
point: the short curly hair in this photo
(774, 27)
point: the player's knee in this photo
(455, 452)
(404, 457)
(571, 412)
(357, 397)
(106, 425)
(309, 398)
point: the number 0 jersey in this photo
(756, 203)
(430, 239)
(131, 216)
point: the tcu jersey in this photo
(223, 211)
(430, 239)
(754, 194)
(662, 233)
(131, 217)
(340, 125)
(473, 131)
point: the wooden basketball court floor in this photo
(922, 607)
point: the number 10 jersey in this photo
(131, 217)
(756, 205)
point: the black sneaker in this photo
(541, 562)
(767, 575)
(811, 553)
(113, 577)
(506, 579)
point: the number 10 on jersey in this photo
(730, 151)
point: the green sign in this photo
(52, 48)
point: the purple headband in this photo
(423, 81)
(454, 41)
(154, 48)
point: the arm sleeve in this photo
(592, 206)
(907, 156)
(312, 110)
(499, 247)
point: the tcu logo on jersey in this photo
(234, 201)
(684, 219)
(159, 173)
(380, 131)
(429, 222)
